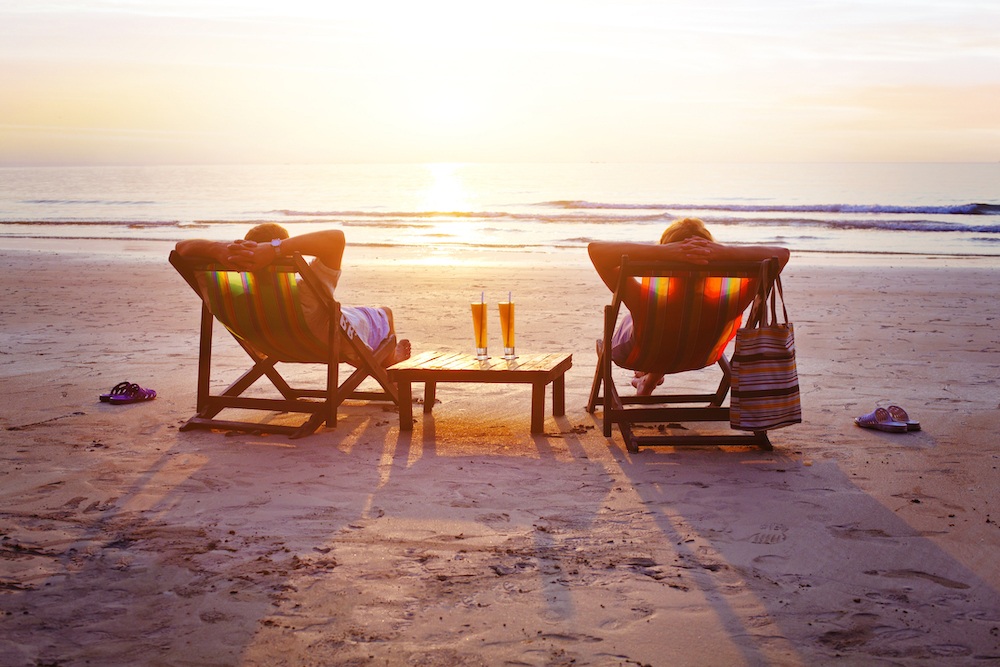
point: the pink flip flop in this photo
(880, 420)
(899, 414)
(132, 394)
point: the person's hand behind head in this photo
(696, 250)
(696, 242)
(249, 255)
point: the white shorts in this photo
(371, 324)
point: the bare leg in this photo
(392, 323)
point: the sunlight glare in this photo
(445, 192)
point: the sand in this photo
(124, 541)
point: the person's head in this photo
(266, 232)
(686, 228)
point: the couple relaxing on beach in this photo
(686, 240)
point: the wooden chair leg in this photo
(204, 360)
(333, 367)
(595, 388)
(610, 315)
(725, 383)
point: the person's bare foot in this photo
(645, 383)
(401, 353)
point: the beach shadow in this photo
(163, 549)
(798, 561)
(461, 537)
(357, 541)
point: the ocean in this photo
(905, 208)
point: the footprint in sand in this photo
(770, 560)
(916, 574)
(493, 518)
(632, 616)
(949, 650)
(73, 503)
(770, 533)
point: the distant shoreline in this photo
(155, 249)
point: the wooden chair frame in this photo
(625, 411)
(319, 404)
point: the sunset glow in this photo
(445, 192)
(220, 81)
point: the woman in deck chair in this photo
(686, 240)
(269, 241)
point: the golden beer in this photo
(507, 328)
(479, 326)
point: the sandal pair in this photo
(127, 392)
(891, 420)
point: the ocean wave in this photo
(583, 206)
(525, 222)
(134, 224)
(392, 214)
(444, 243)
(518, 223)
(567, 244)
(961, 209)
(88, 202)
(379, 218)
(109, 223)
(872, 224)
(375, 221)
(384, 224)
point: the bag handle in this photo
(784, 311)
(759, 299)
(769, 282)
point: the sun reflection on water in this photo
(445, 192)
(447, 195)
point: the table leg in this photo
(429, 391)
(404, 391)
(537, 406)
(559, 396)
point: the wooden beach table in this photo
(538, 370)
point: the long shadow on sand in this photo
(797, 561)
(347, 546)
(173, 553)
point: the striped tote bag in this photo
(765, 384)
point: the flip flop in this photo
(117, 390)
(899, 414)
(133, 394)
(881, 420)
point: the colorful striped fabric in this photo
(263, 310)
(690, 317)
(765, 384)
(765, 392)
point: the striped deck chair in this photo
(263, 313)
(692, 313)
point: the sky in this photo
(337, 81)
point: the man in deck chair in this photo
(686, 240)
(269, 241)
